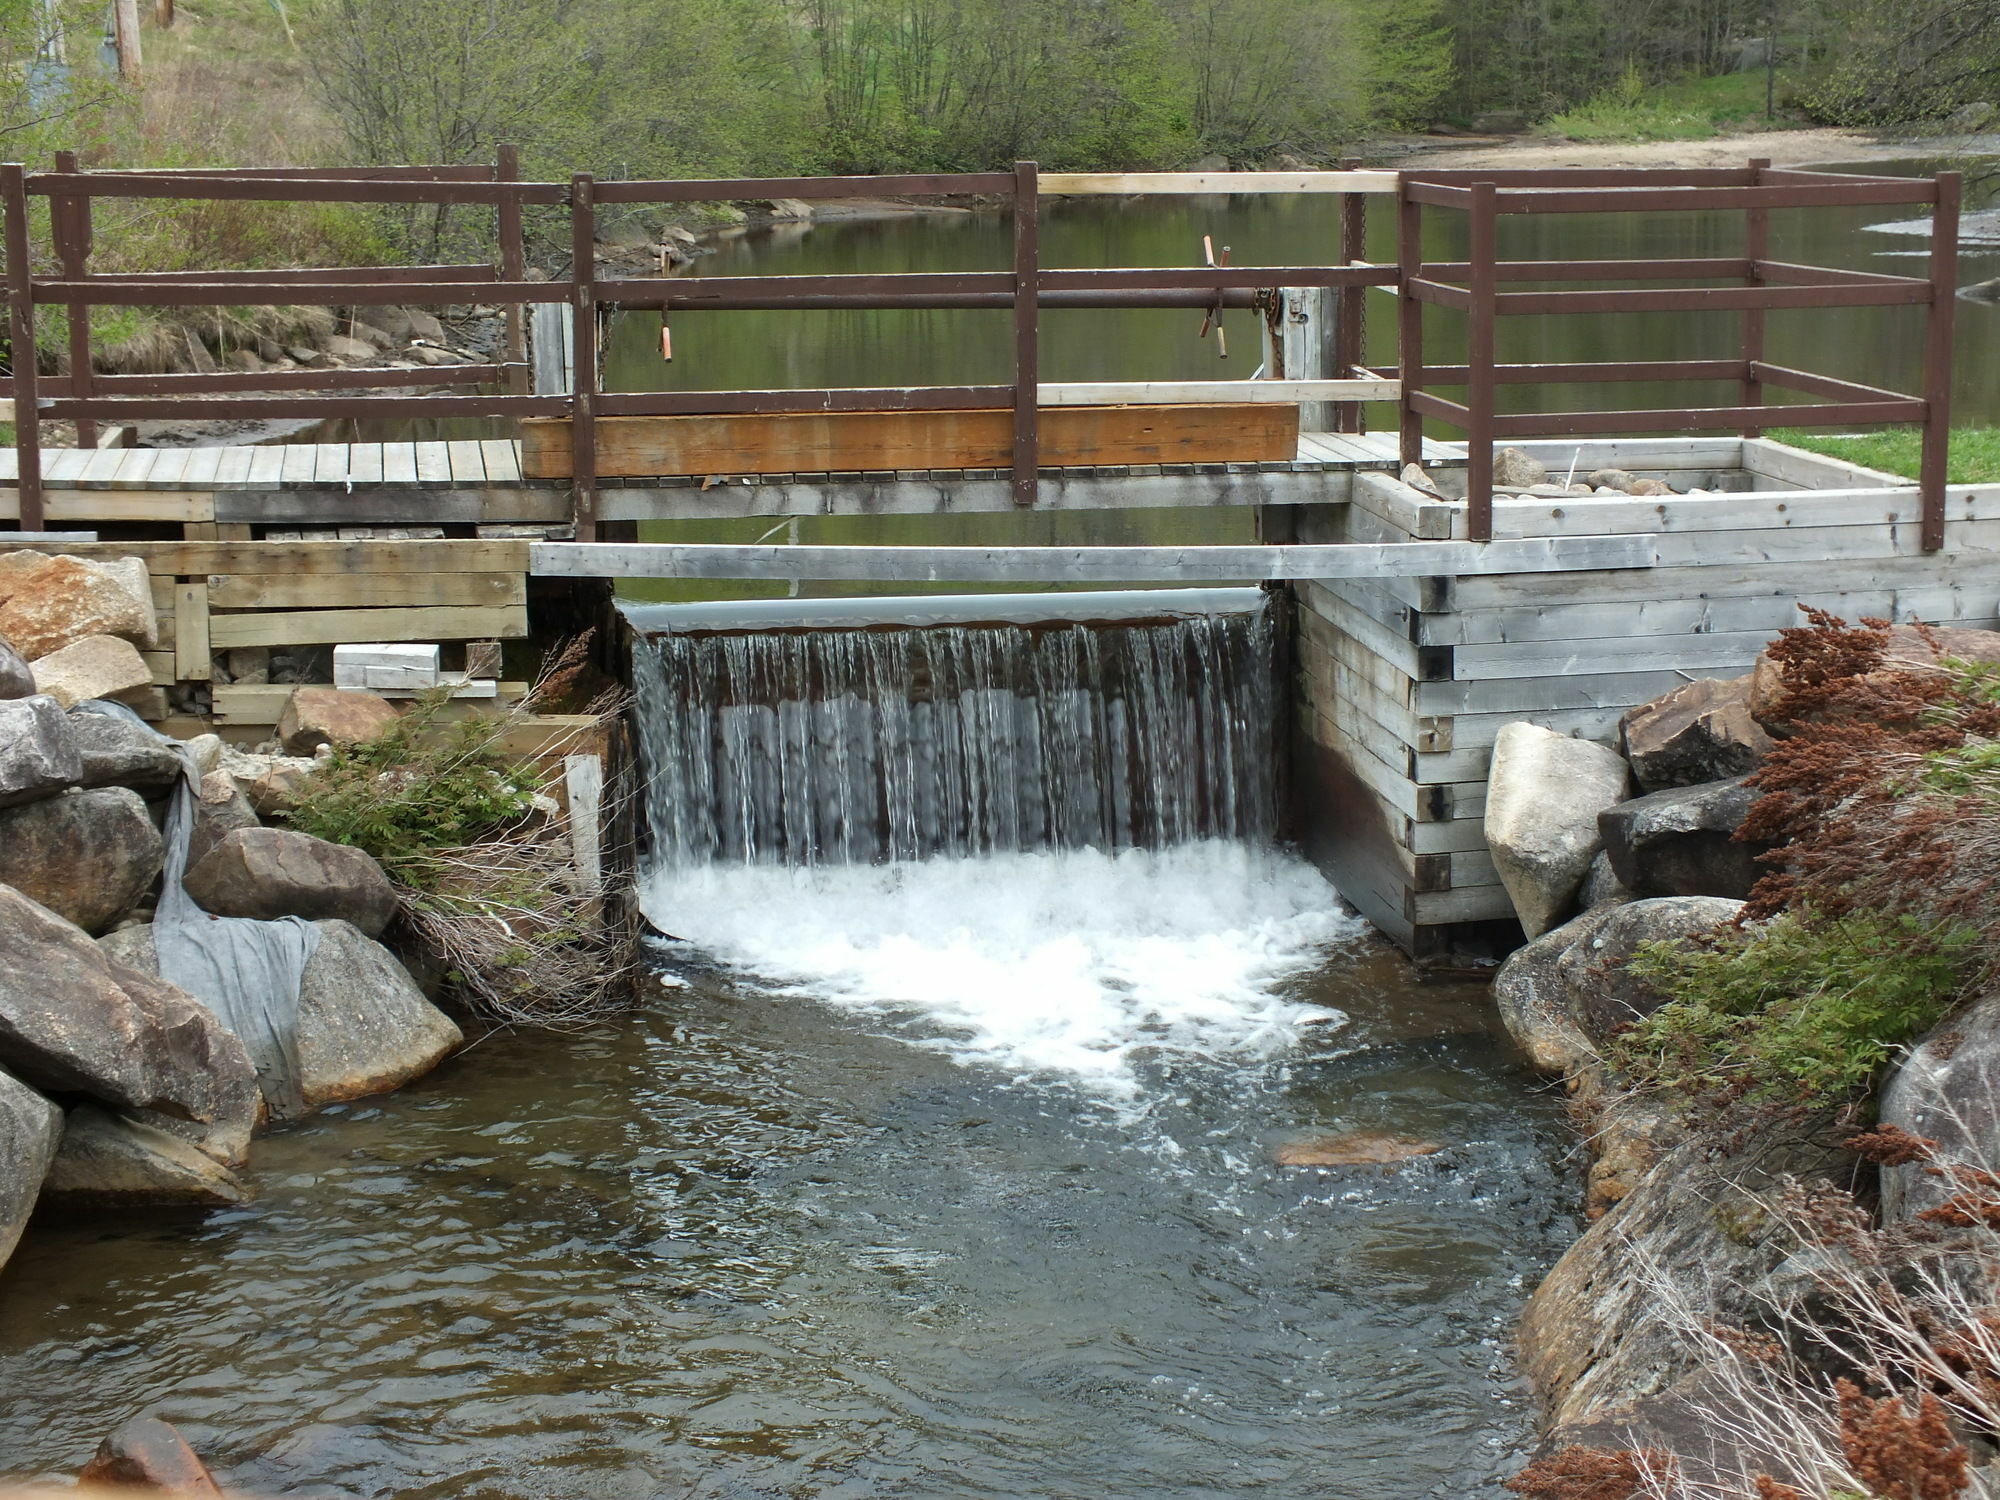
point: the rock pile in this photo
(116, 1087)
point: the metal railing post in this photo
(21, 329)
(1482, 281)
(1027, 334)
(1756, 248)
(1409, 317)
(1938, 329)
(70, 219)
(513, 267)
(583, 398)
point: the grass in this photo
(1689, 109)
(1975, 451)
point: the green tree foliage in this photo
(1906, 60)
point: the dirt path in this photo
(1783, 147)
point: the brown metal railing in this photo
(1474, 287)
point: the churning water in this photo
(954, 1176)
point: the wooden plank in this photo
(1709, 653)
(1063, 564)
(1635, 453)
(1817, 471)
(399, 463)
(383, 505)
(202, 464)
(1183, 392)
(233, 465)
(1409, 510)
(192, 559)
(330, 463)
(1726, 578)
(1534, 696)
(1459, 836)
(1771, 611)
(134, 464)
(503, 460)
(468, 463)
(583, 782)
(331, 626)
(192, 652)
(1075, 184)
(364, 463)
(299, 462)
(363, 590)
(59, 465)
(169, 507)
(261, 704)
(1481, 903)
(433, 463)
(267, 464)
(863, 441)
(163, 666)
(101, 467)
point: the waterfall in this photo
(876, 743)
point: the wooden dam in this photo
(1429, 609)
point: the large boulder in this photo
(1947, 1089)
(219, 811)
(30, 1126)
(148, 1454)
(17, 679)
(1604, 995)
(117, 752)
(97, 666)
(275, 872)
(1701, 731)
(1517, 469)
(1682, 841)
(89, 856)
(38, 750)
(73, 1021)
(108, 1161)
(1534, 1000)
(271, 782)
(364, 1026)
(15, 566)
(315, 716)
(1542, 800)
(66, 599)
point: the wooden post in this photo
(513, 267)
(70, 219)
(583, 400)
(1756, 248)
(1483, 254)
(125, 35)
(1027, 334)
(163, 14)
(1409, 316)
(21, 330)
(1309, 349)
(1934, 473)
(1352, 303)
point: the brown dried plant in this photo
(1900, 1453)
(1581, 1473)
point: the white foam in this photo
(1066, 964)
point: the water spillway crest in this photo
(1046, 844)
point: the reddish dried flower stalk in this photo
(1579, 1473)
(1900, 1454)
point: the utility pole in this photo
(125, 35)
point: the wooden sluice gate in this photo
(1429, 609)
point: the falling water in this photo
(871, 745)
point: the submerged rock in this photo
(148, 1454)
(1359, 1148)
(89, 856)
(74, 1021)
(275, 872)
(112, 1162)
(30, 1126)
(1542, 800)
(38, 750)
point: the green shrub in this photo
(1798, 1011)
(423, 786)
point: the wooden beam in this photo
(1088, 184)
(321, 627)
(363, 590)
(192, 646)
(1085, 564)
(194, 559)
(1162, 392)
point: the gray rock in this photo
(98, 666)
(1602, 887)
(117, 752)
(340, 346)
(1682, 841)
(220, 810)
(1947, 1089)
(1542, 800)
(275, 872)
(1611, 479)
(88, 856)
(1604, 996)
(72, 1020)
(1969, 119)
(30, 1126)
(17, 680)
(1534, 1002)
(1513, 467)
(111, 1162)
(240, 1103)
(38, 750)
(364, 1026)
(148, 1454)
(1701, 731)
